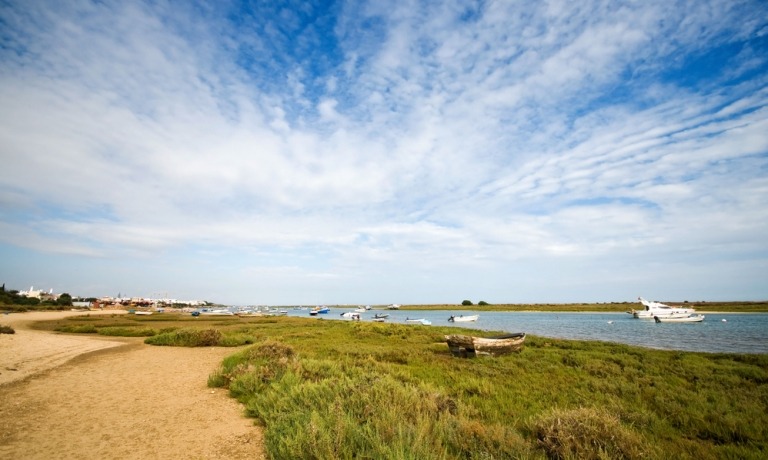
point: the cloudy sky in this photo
(265, 152)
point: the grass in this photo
(6, 330)
(336, 389)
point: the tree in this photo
(65, 300)
(466, 302)
(482, 302)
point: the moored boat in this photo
(653, 309)
(422, 321)
(463, 319)
(381, 316)
(679, 319)
(467, 346)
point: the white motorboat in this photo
(653, 309)
(679, 319)
(422, 321)
(463, 319)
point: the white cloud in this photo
(438, 139)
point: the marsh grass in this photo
(336, 389)
(6, 330)
(332, 389)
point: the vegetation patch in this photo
(587, 433)
(78, 329)
(6, 330)
(187, 338)
(117, 331)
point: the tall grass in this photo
(331, 389)
(335, 389)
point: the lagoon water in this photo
(740, 333)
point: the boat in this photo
(319, 310)
(653, 309)
(142, 312)
(354, 315)
(463, 319)
(422, 321)
(468, 346)
(679, 319)
(381, 316)
(394, 306)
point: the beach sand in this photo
(88, 397)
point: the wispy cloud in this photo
(421, 151)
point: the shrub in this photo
(187, 338)
(6, 330)
(117, 331)
(78, 329)
(483, 302)
(586, 433)
(466, 302)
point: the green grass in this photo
(336, 389)
(332, 389)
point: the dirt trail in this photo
(73, 397)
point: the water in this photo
(740, 333)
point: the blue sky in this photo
(385, 152)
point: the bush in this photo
(587, 433)
(483, 302)
(117, 331)
(78, 329)
(466, 302)
(6, 330)
(187, 338)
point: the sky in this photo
(301, 153)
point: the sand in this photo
(84, 397)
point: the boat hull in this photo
(463, 319)
(679, 319)
(467, 346)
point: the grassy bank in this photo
(334, 389)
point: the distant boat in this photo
(659, 309)
(140, 312)
(679, 319)
(381, 316)
(467, 346)
(319, 310)
(463, 319)
(394, 306)
(422, 321)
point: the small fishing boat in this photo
(679, 319)
(467, 346)
(381, 316)
(422, 321)
(463, 319)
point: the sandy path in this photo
(74, 397)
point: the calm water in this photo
(740, 333)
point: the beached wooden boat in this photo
(463, 319)
(468, 346)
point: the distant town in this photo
(38, 296)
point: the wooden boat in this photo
(679, 319)
(467, 346)
(464, 319)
